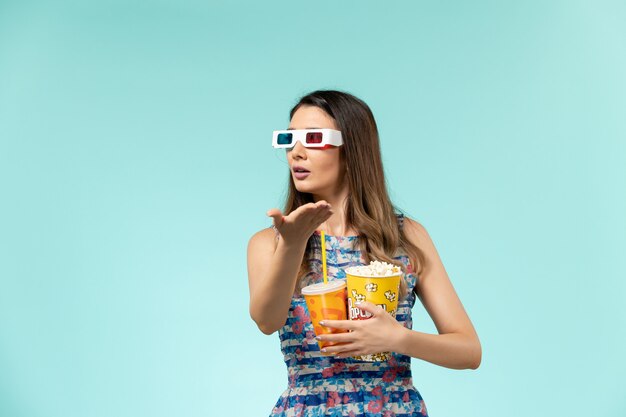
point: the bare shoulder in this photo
(261, 247)
(416, 232)
(419, 236)
(264, 240)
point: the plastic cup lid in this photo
(321, 288)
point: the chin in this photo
(304, 188)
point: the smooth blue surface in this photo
(136, 162)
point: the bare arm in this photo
(273, 265)
(272, 270)
(457, 345)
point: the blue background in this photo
(135, 164)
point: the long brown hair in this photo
(369, 209)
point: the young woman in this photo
(340, 189)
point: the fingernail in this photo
(322, 323)
(318, 337)
(323, 349)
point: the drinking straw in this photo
(324, 272)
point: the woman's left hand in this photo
(379, 333)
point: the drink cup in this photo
(380, 290)
(326, 302)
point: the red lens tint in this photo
(314, 137)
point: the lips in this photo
(300, 172)
(301, 175)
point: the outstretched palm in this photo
(298, 225)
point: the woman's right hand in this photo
(299, 225)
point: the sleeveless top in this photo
(324, 386)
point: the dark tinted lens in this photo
(314, 137)
(285, 138)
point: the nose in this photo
(298, 151)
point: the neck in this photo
(336, 224)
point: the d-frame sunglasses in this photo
(311, 138)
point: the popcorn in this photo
(375, 269)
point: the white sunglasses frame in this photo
(329, 137)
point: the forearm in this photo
(270, 300)
(451, 350)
